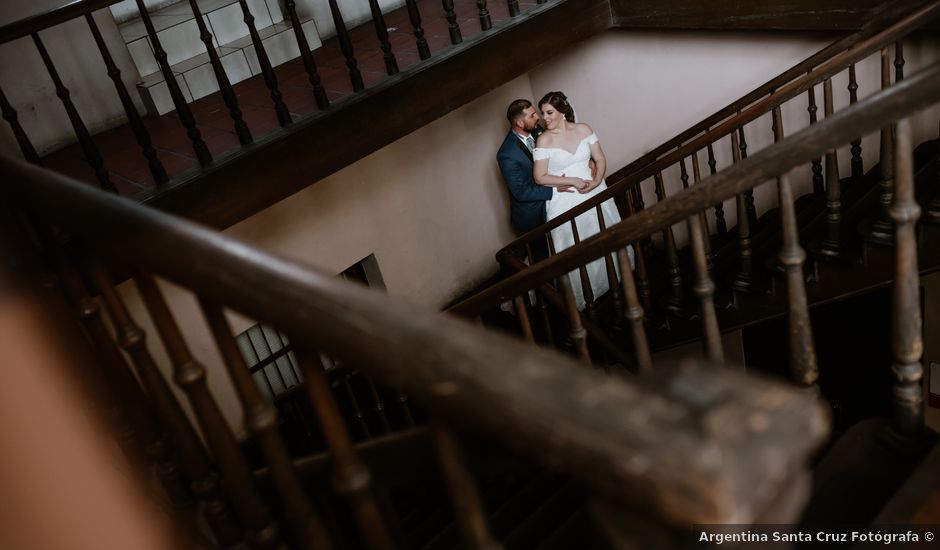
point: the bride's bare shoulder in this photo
(544, 140)
(583, 130)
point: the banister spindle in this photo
(12, 118)
(721, 226)
(484, 15)
(576, 331)
(204, 479)
(675, 300)
(346, 46)
(706, 235)
(703, 286)
(880, 229)
(513, 8)
(522, 313)
(611, 270)
(133, 118)
(306, 56)
(468, 506)
(907, 340)
(743, 278)
(381, 32)
(267, 72)
(898, 61)
(858, 169)
(351, 478)
(831, 245)
(586, 291)
(179, 102)
(749, 194)
(358, 414)
(452, 27)
(817, 161)
(642, 277)
(803, 367)
(225, 87)
(540, 302)
(89, 149)
(261, 421)
(378, 404)
(634, 313)
(421, 42)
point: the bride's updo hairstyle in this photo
(559, 101)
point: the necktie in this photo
(530, 142)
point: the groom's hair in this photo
(516, 108)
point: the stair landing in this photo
(128, 168)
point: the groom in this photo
(526, 198)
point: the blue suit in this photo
(526, 198)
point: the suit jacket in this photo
(526, 198)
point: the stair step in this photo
(918, 500)
(178, 33)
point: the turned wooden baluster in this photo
(642, 278)
(468, 507)
(858, 169)
(907, 339)
(420, 41)
(267, 72)
(195, 461)
(92, 156)
(749, 194)
(190, 376)
(611, 270)
(540, 301)
(675, 300)
(720, 224)
(577, 333)
(135, 418)
(133, 118)
(703, 286)
(634, 312)
(706, 235)
(381, 31)
(744, 278)
(378, 405)
(225, 87)
(357, 410)
(452, 27)
(831, 245)
(513, 8)
(803, 367)
(881, 230)
(179, 101)
(818, 186)
(522, 312)
(485, 22)
(261, 421)
(351, 477)
(345, 45)
(12, 118)
(898, 61)
(313, 76)
(406, 410)
(586, 291)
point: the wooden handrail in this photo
(834, 58)
(881, 109)
(50, 18)
(639, 439)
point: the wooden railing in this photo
(887, 111)
(657, 444)
(33, 26)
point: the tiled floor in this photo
(128, 168)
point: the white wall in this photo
(29, 89)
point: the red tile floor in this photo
(128, 168)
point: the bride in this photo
(562, 160)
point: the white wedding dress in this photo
(576, 165)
